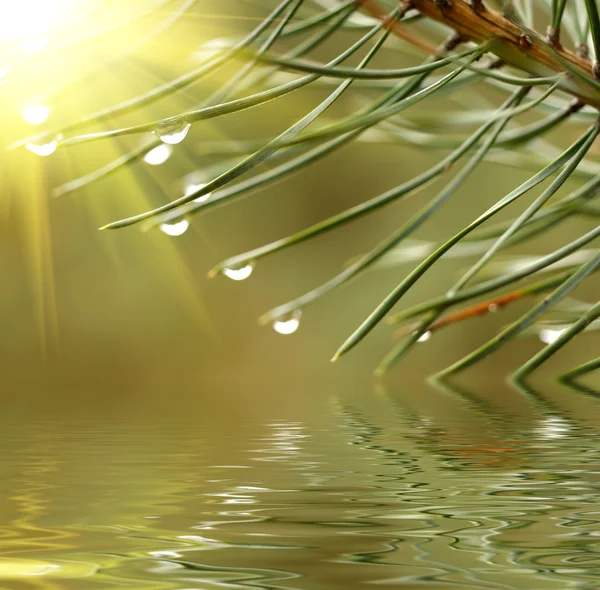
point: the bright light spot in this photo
(35, 45)
(209, 543)
(28, 20)
(239, 274)
(159, 155)
(24, 567)
(289, 325)
(36, 114)
(191, 188)
(164, 566)
(424, 337)
(42, 149)
(43, 570)
(175, 229)
(171, 554)
(549, 336)
(553, 427)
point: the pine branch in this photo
(514, 43)
(533, 72)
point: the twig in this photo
(514, 43)
(479, 309)
(398, 28)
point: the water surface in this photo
(404, 489)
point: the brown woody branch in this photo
(479, 309)
(515, 44)
(399, 29)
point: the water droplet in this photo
(493, 307)
(239, 273)
(288, 324)
(424, 337)
(549, 336)
(173, 133)
(36, 114)
(43, 149)
(159, 155)
(176, 228)
(191, 188)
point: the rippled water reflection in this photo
(429, 490)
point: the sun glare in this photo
(31, 20)
(36, 114)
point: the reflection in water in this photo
(436, 490)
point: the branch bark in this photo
(515, 44)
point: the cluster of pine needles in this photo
(538, 54)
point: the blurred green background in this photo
(130, 318)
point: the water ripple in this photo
(386, 492)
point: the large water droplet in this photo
(43, 149)
(158, 155)
(288, 324)
(191, 188)
(176, 228)
(239, 273)
(36, 114)
(173, 133)
(549, 336)
(424, 337)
